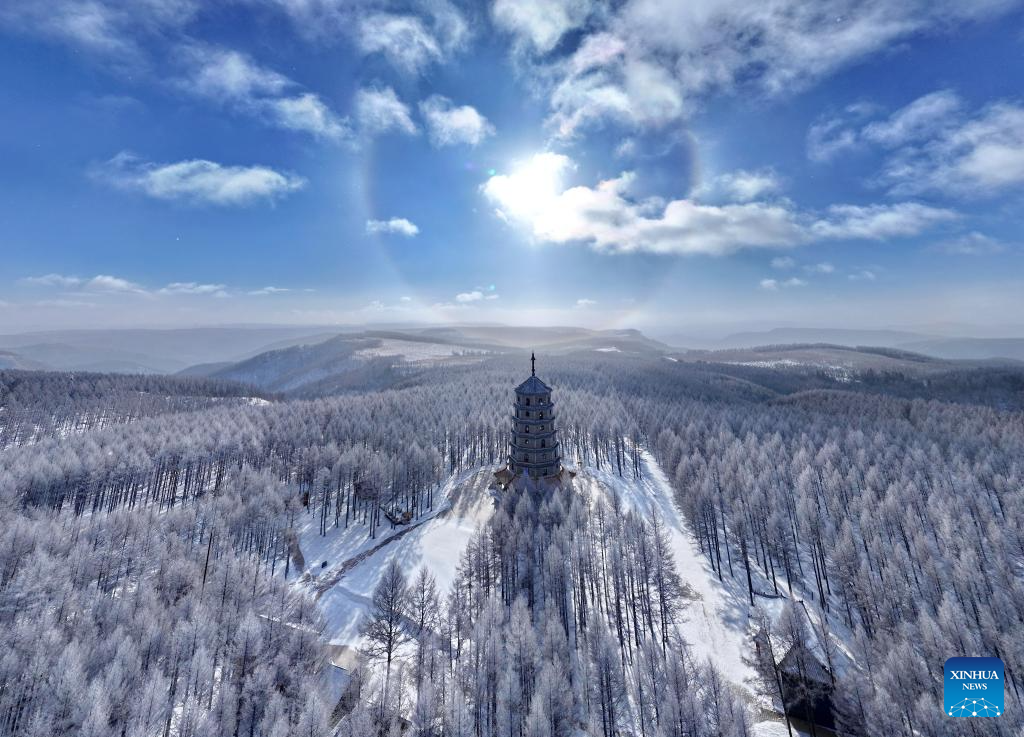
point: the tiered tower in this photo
(533, 450)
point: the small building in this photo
(808, 686)
(342, 680)
(534, 454)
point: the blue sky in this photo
(690, 167)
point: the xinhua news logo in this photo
(973, 687)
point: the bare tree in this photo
(385, 625)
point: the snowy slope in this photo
(436, 541)
(720, 620)
(716, 621)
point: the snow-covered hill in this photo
(717, 621)
(355, 562)
(343, 568)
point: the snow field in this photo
(715, 624)
(462, 505)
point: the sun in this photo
(531, 188)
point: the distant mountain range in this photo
(371, 357)
(10, 360)
(146, 351)
(930, 345)
(284, 358)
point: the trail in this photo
(716, 622)
(435, 542)
(323, 583)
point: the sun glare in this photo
(531, 188)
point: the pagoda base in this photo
(506, 478)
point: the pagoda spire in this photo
(533, 364)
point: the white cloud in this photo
(402, 39)
(879, 222)
(862, 275)
(224, 73)
(976, 156)
(826, 139)
(648, 62)
(606, 217)
(198, 180)
(398, 226)
(934, 145)
(52, 280)
(380, 111)
(450, 125)
(923, 117)
(785, 44)
(467, 297)
(774, 285)
(115, 284)
(596, 51)
(822, 268)
(61, 303)
(306, 112)
(610, 219)
(192, 287)
(232, 78)
(111, 29)
(629, 91)
(583, 303)
(744, 186)
(539, 24)
(409, 42)
(107, 283)
(785, 263)
(832, 135)
(626, 149)
(98, 283)
(971, 244)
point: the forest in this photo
(147, 551)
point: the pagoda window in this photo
(541, 415)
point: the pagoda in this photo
(534, 459)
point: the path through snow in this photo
(716, 623)
(464, 503)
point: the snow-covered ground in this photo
(716, 622)
(844, 374)
(435, 541)
(413, 350)
(773, 729)
(720, 621)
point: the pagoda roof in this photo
(533, 385)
